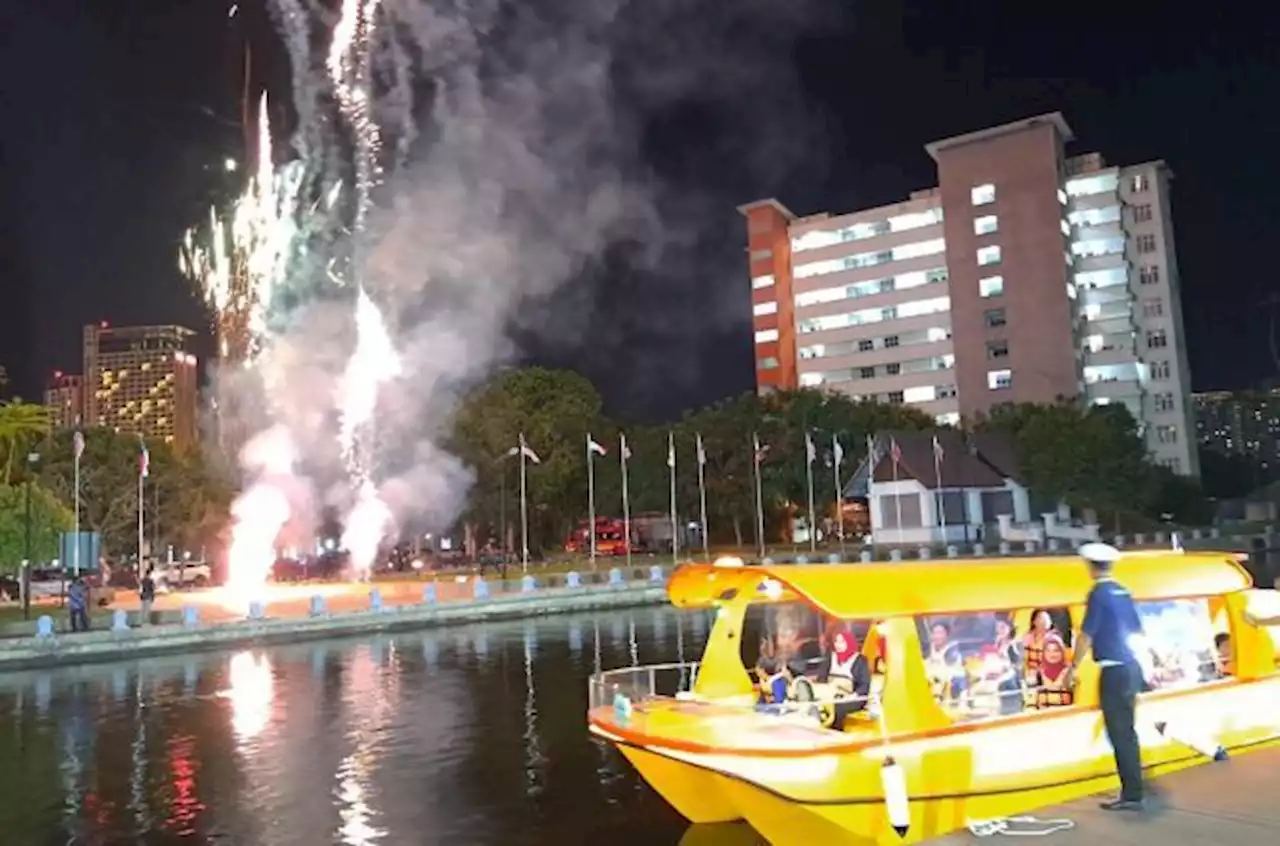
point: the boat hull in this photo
(697, 794)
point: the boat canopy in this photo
(893, 589)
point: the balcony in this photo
(1086, 264)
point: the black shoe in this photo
(1122, 805)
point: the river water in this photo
(469, 736)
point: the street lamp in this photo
(33, 458)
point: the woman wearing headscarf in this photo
(1054, 686)
(845, 669)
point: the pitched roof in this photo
(980, 462)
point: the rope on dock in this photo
(1019, 827)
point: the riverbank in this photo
(189, 634)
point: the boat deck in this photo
(1228, 804)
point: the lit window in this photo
(1062, 196)
(1167, 434)
(810, 380)
(999, 379)
(1139, 183)
(991, 286)
(764, 336)
(761, 309)
(926, 393)
(1097, 184)
(768, 363)
(762, 281)
(986, 224)
(983, 194)
(989, 255)
(1095, 216)
(1065, 227)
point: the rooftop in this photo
(1054, 119)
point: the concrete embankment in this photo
(98, 646)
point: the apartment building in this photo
(1024, 276)
(64, 397)
(141, 380)
(1244, 423)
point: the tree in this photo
(49, 518)
(21, 425)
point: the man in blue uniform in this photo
(1111, 623)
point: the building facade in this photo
(141, 380)
(1245, 424)
(1024, 276)
(64, 397)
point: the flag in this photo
(671, 450)
(77, 444)
(622, 446)
(592, 446)
(144, 459)
(702, 453)
(808, 448)
(837, 451)
(894, 451)
(530, 454)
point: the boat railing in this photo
(641, 683)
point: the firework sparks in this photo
(349, 70)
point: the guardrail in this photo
(639, 684)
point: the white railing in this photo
(638, 684)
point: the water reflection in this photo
(532, 750)
(250, 691)
(184, 807)
(575, 638)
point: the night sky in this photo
(118, 114)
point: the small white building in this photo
(956, 493)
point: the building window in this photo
(1065, 227)
(983, 194)
(764, 336)
(946, 392)
(1062, 196)
(1146, 243)
(1153, 307)
(999, 379)
(1139, 183)
(866, 345)
(991, 286)
(1149, 274)
(761, 309)
(867, 372)
(989, 255)
(985, 225)
(1174, 464)
(893, 369)
(997, 349)
(886, 285)
(769, 363)
(1160, 370)
(896, 398)
(1167, 434)
(1156, 339)
(994, 318)
(891, 340)
(1164, 402)
(1142, 213)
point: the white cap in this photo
(1102, 553)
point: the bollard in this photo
(1004, 547)
(895, 555)
(120, 620)
(1029, 546)
(318, 608)
(573, 580)
(257, 610)
(1195, 534)
(833, 558)
(952, 551)
(528, 584)
(865, 556)
(767, 561)
(1053, 544)
(802, 559)
(1139, 540)
(979, 550)
(1214, 532)
(44, 626)
(1160, 538)
(924, 553)
(655, 573)
(615, 578)
(481, 589)
(375, 600)
(429, 593)
(190, 617)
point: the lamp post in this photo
(32, 459)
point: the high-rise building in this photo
(141, 380)
(1245, 423)
(64, 397)
(1025, 276)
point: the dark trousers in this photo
(1117, 696)
(79, 620)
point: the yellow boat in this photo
(703, 743)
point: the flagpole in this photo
(702, 497)
(871, 477)
(524, 512)
(591, 495)
(675, 526)
(78, 446)
(626, 499)
(141, 530)
(941, 501)
(897, 499)
(755, 463)
(837, 456)
(808, 469)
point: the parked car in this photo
(181, 576)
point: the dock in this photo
(1233, 803)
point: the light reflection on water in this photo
(465, 736)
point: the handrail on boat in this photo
(641, 682)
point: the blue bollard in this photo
(190, 616)
(895, 555)
(865, 556)
(481, 588)
(257, 610)
(655, 573)
(44, 626)
(120, 620)
(766, 562)
(573, 580)
(615, 578)
(318, 608)
(375, 600)
(833, 558)
(429, 593)
(528, 584)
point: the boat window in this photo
(1177, 649)
(978, 662)
(787, 631)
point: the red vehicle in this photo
(611, 537)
